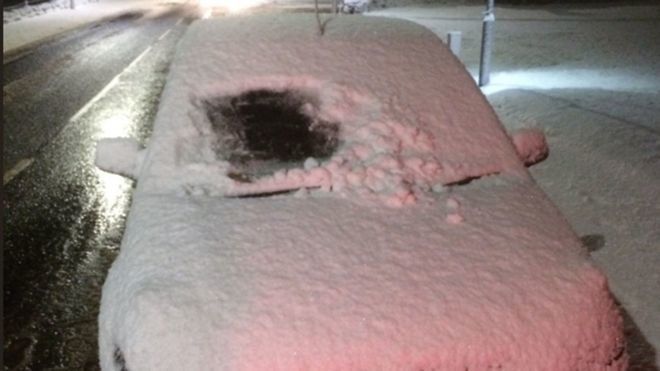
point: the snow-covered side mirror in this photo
(121, 156)
(531, 145)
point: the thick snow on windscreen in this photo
(407, 114)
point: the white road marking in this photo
(8, 176)
(16, 57)
(163, 35)
(107, 88)
(98, 96)
(136, 60)
(17, 169)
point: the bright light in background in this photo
(233, 6)
(544, 79)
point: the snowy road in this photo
(63, 218)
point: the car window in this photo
(262, 131)
(284, 135)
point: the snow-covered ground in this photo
(588, 76)
(29, 25)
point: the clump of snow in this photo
(454, 218)
(310, 163)
(452, 203)
(120, 156)
(454, 214)
(530, 145)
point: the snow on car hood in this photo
(410, 118)
(289, 283)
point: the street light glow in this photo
(233, 6)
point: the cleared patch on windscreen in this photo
(261, 131)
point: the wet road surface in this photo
(63, 217)
(44, 88)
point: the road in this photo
(76, 67)
(64, 218)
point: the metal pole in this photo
(334, 6)
(73, 4)
(454, 41)
(486, 43)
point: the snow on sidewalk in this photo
(34, 24)
(604, 175)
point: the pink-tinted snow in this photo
(323, 283)
(531, 145)
(392, 143)
(485, 275)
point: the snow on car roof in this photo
(409, 115)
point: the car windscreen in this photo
(262, 131)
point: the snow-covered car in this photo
(354, 6)
(345, 201)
